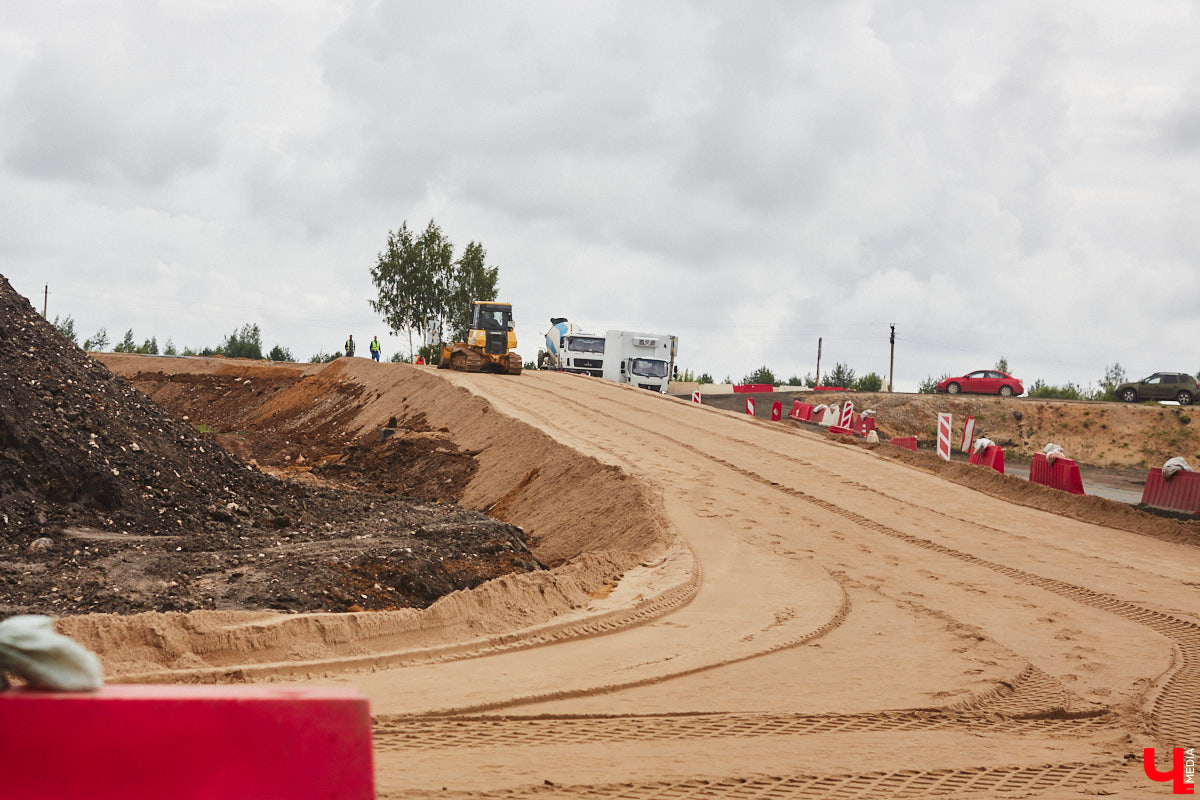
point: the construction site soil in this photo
(111, 502)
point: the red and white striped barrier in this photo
(776, 411)
(696, 396)
(847, 414)
(750, 406)
(943, 440)
(968, 434)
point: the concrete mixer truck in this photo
(645, 360)
(569, 349)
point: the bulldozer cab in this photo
(491, 317)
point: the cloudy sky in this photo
(1016, 179)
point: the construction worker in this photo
(350, 346)
(420, 360)
(375, 348)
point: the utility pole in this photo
(45, 301)
(818, 361)
(892, 361)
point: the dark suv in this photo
(1161, 386)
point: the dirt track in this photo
(793, 618)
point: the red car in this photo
(984, 381)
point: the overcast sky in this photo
(1016, 179)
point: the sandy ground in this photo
(742, 609)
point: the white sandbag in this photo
(872, 437)
(1053, 452)
(1177, 464)
(982, 444)
(31, 649)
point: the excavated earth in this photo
(709, 605)
(110, 503)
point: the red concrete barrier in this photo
(1063, 474)
(801, 411)
(907, 442)
(139, 742)
(776, 411)
(753, 387)
(992, 457)
(1181, 493)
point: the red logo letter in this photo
(1176, 775)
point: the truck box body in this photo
(645, 360)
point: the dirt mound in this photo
(110, 503)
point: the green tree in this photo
(1002, 365)
(243, 343)
(67, 329)
(760, 375)
(869, 383)
(842, 376)
(279, 353)
(704, 377)
(97, 341)
(470, 279)
(322, 357)
(149, 347)
(411, 275)
(169, 349)
(423, 288)
(1114, 376)
(127, 344)
(929, 385)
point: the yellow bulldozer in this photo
(489, 345)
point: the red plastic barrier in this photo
(776, 411)
(830, 389)
(1181, 493)
(863, 425)
(840, 429)
(801, 411)
(907, 442)
(1062, 474)
(187, 742)
(753, 387)
(992, 457)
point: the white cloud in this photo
(996, 179)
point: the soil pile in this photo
(295, 424)
(108, 503)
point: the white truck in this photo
(645, 360)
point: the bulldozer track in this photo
(483, 731)
(966, 784)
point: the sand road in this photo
(844, 626)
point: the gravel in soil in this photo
(109, 503)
